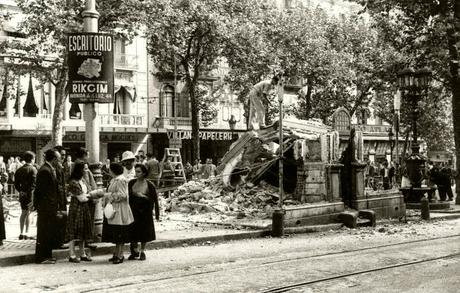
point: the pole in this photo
(90, 25)
(278, 214)
(397, 146)
(90, 18)
(281, 170)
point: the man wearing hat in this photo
(127, 160)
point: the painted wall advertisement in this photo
(90, 61)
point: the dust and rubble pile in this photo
(210, 196)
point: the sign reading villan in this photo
(90, 60)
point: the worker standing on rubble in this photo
(258, 97)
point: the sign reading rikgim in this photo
(90, 61)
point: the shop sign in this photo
(204, 135)
(104, 137)
(90, 61)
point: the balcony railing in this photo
(126, 61)
(122, 120)
(44, 116)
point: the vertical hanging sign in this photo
(90, 61)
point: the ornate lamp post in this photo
(391, 139)
(414, 85)
(397, 108)
(232, 123)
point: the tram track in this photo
(287, 288)
(147, 281)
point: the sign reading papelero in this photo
(90, 61)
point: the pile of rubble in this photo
(210, 196)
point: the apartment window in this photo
(167, 102)
(123, 101)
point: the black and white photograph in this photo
(230, 146)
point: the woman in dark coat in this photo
(142, 199)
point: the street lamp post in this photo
(397, 108)
(414, 85)
(278, 213)
(90, 19)
(232, 123)
(391, 139)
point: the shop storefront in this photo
(213, 143)
(16, 146)
(112, 144)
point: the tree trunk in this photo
(452, 38)
(195, 123)
(57, 132)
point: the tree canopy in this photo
(45, 26)
(192, 35)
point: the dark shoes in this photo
(133, 256)
(22, 237)
(142, 257)
(118, 260)
(85, 258)
(74, 259)
(112, 258)
(49, 261)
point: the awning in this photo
(4, 96)
(30, 107)
(130, 89)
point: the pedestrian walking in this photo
(25, 185)
(153, 167)
(142, 200)
(79, 222)
(46, 201)
(116, 229)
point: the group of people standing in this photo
(65, 196)
(440, 176)
(384, 172)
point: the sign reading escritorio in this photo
(90, 61)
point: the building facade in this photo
(27, 104)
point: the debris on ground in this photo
(210, 196)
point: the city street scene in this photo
(229, 146)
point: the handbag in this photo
(109, 212)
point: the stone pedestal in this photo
(314, 183)
(333, 182)
(357, 180)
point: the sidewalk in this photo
(175, 230)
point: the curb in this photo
(106, 249)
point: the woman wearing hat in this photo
(117, 228)
(127, 160)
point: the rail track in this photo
(290, 287)
(152, 280)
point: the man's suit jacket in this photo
(46, 195)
